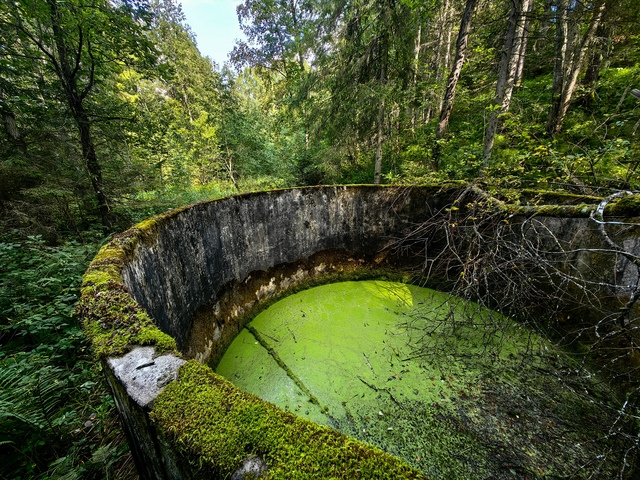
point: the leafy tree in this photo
(280, 35)
(366, 68)
(177, 108)
(67, 40)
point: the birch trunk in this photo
(523, 45)
(509, 64)
(414, 82)
(568, 64)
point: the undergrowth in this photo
(57, 420)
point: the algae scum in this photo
(454, 390)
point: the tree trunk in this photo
(568, 63)
(595, 64)
(66, 67)
(523, 45)
(414, 82)
(380, 122)
(377, 176)
(450, 91)
(384, 59)
(10, 125)
(508, 70)
(558, 61)
(91, 159)
(461, 51)
(445, 55)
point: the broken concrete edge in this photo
(144, 374)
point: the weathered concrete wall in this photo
(210, 248)
(201, 271)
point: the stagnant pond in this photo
(454, 390)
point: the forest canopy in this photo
(107, 106)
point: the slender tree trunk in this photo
(558, 61)
(185, 102)
(229, 164)
(91, 159)
(414, 82)
(569, 60)
(448, 28)
(295, 18)
(523, 45)
(10, 125)
(441, 56)
(461, 52)
(75, 100)
(450, 91)
(383, 56)
(594, 65)
(508, 70)
(377, 176)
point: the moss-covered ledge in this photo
(218, 426)
(542, 203)
(113, 321)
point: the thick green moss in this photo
(628, 206)
(546, 197)
(567, 211)
(217, 426)
(113, 321)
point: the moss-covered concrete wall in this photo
(199, 273)
(183, 284)
(210, 266)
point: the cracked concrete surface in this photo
(144, 375)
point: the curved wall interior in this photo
(202, 271)
(268, 243)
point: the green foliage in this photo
(56, 418)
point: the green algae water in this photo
(452, 389)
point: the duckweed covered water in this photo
(454, 390)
